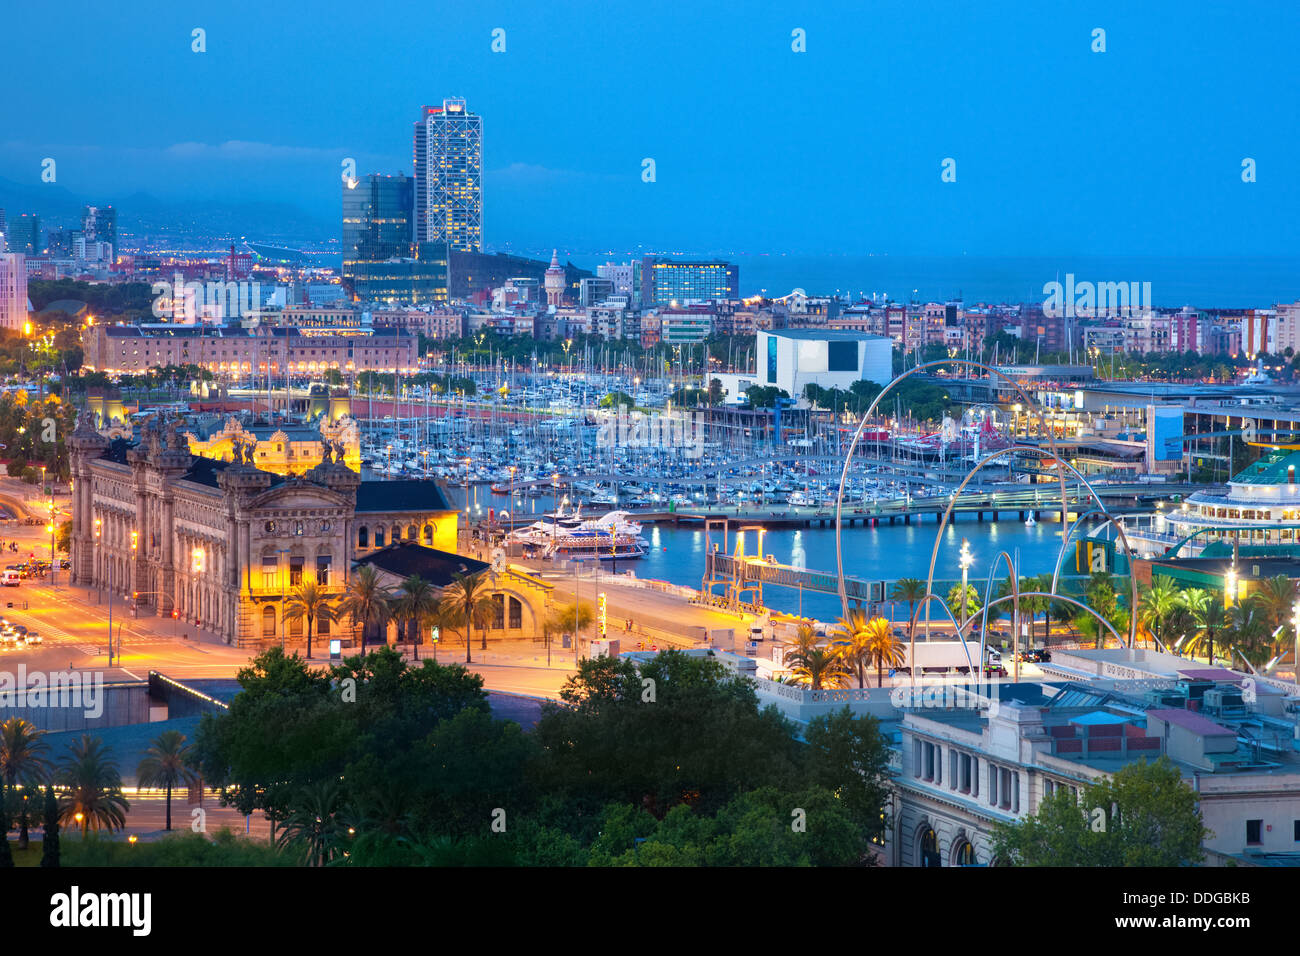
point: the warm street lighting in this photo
(1230, 587)
(1295, 626)
(197, 556)
(964, 559)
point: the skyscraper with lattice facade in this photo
(449, 176)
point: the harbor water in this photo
(883, 553)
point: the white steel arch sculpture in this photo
(1015, 596)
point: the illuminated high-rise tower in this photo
(449, 177)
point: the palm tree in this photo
(416, 604)
(884, 648)
(22, 752)
(366, 601)
(92, 787)
(1206, 612)
(955, 602)
(1156, 604)
(849, 641)
(309, 601)
(312, 826)
(22, 760)
(820, 668)
(572, 619)
(1275, 597)
(467, 599)
(911, 590)
(1249, 634)
(165, 765)
(805, 639)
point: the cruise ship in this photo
(1259, 511)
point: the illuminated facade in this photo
(283, 450)
(13, 291)
(449, 177)
(222, 545)
(238, 352)
(668, 281)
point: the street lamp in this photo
(99, 585)
(1295, 626)
(965, 559)
(54, 564)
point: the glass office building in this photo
(400, 280)
(677, 281)
(377, 217)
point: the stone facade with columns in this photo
(218, 544)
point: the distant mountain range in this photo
(143, 216)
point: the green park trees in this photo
(1144, 816)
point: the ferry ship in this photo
(610, 537)
(1260, 511)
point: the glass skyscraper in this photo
(377, 217)
(382, 264)
(449, 177)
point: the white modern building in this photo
(792, 358)
(13, 290)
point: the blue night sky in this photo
(1136, 151)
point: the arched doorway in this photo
(963, 854)
(928, 847)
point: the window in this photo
(295, 571)
(1253, 828)
(516, 613)
(428, 534)
(498, 611)
(363, 537)
(379, 537)
(270, 570)
(323, 569)
(323, 626)
(268, 621)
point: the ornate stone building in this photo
(221, 544)
(282, 449)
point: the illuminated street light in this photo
(964, 559)
(1295, 626)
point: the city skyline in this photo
(1137, 150)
